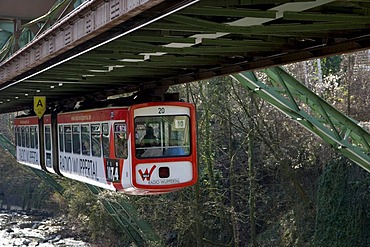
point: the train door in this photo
(116, 155)
(118, 166)
(112, 166)
(48, 144)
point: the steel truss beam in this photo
(312, 112)
(126, 217)
(7, 145)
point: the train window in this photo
(33, 137)
(148, 137)
(47, 138)
(167, 136)
(95, 140)
(36, 138)
(17, 136)
(23, 136)
(67, 138)
(105, 139)
(76, 139)
(120, 140)
(85, 137)
(27, 131)
(61, 139)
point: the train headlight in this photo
(164, 172)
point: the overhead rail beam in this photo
(312, 112)
(89, 20)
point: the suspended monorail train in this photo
(147, 148)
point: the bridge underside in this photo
(162, 43)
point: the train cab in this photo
(164, 153)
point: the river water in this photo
(20, 229)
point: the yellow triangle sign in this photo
(39, 105)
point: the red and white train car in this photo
(147, 148)
(27, 141)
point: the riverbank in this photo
(18, 228)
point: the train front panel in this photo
(164, 153)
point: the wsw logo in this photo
(147, 174)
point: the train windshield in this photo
(162, 136)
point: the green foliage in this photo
(331, 65)
(343, 215)
(88, 215)
(172, 215)
(20, 186)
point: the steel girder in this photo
(7, 145)
(305, 107)
(125, 215)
